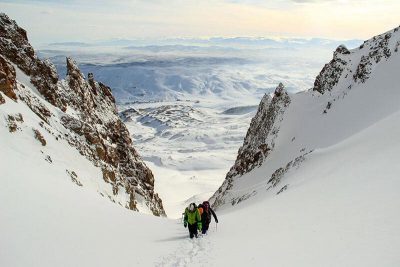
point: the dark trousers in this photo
(193, 230)
(205, 228)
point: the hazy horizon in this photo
(50, 21)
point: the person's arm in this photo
(185, 219)
(198, 219)
(214, 215)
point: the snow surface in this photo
(342, 214)
(187, 149)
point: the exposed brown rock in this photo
(12, 125)
(109, 176)
(35, 105)
(74, 178)
(331, 73)
(15, 47)
(259, 140)
(13, 121)
(96, 129)
(8, 83)
(39, 137)
(101, 153)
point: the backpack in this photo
(200, 208)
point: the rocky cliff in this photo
(83, 113)
(259, 140)
(288, 127)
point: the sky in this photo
(85, 20)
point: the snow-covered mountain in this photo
(355, 90)
(331, 154)
(79, 135)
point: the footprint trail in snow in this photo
(190, 251)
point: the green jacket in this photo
(193, 217)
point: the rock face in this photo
(259, 140)
(330, 74)
(87, 110)
(7, 79)
(344, 66)
(264, 127)
(14, 46)
(287, 128)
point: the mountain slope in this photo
(340, 209)
(355, 90)
(73, 113)
(335, 167)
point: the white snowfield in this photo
(341, 206)
(342, 210)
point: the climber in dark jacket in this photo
(206, 216)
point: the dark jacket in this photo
(206, 216)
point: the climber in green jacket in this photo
(192, 219)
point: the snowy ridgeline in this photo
(355, 90)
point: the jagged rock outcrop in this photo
(7, 79)
(264, 127)
(378, 49)
(14, 45)
(87, 110)
(312, 119)
(330, 74)
(260, 137)
(344, 66)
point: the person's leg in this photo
(205, 228)
(192, 229)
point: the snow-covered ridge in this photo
(356, 89)
(355, 66)
(75, 112)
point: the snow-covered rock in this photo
(80, 113)
(356, 89)
(260, 137)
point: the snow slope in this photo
(313, 120)
(47, 220)
(341, 209)
(344, 214)
(74, 113)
